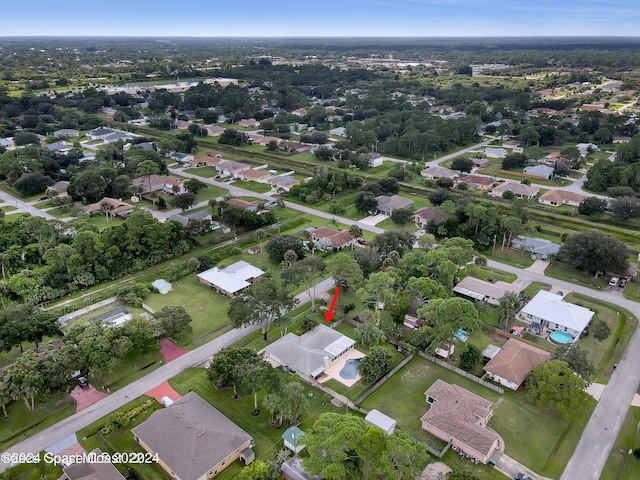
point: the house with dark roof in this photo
(330, 239)
(520, 190)
(492, 152)
(92, 470)
(389, 203)
(460, 417)
(309, 355)
(229, 167)
(422, 216)
(66, 133)
(478, 182)
(480, 162)
(513, 362)
(411, 318)
(184, 219)
(561, 197)
(193, 440)
(475, 289)
(541, 171)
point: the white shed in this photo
(380, 420)
(162, 286)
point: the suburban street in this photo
(586, 463)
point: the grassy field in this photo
(490, 274)
(253, 186)
(603, 354)
(548, 442)
(267, 439)
(207, 308)
(565, 272)
(621, 465)
(510, 257)
(535, 287)
(495, 165)
(27, 198)
(205, 172)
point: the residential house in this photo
(108, 112)
(285, 182)
(475, 289)
(249, 123)
(561, 197)
(552, 158)
(441, 109)
(205, 161)
(434, 173)
(511, 144)
(389, 203)
(297, 147)
(586, 148)
(308, 355)
(539, 248)
(541, 171)
(519, 190)
(478, 182)
(375, 159)
(460, 417)
(411, 318)
(184, 219)
(480, 162)
(66, 133)
(422, 216)
(180, 157)
(181, 124)
(152, 183)
(99, 133)
(264, 140)
(300, 112)
(492, 152)
(95, 468)
(332, 239)
(213, 130)
(116, 137)
(116, 208)
(222, 81)
(250, 175)
(340, 131)
(60, 187)
(230, 168)
(510, 366)
(553, 313)
(232, 279)
(193, 440)
(245, 205)
(173, 186)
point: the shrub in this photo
(600, 329)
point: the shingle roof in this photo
(191, 436)
(473, 285)
(456, 412)
(392, 202)
(476, 180)
(439, 172)
(559, 196)
(517, 188)
(515, 360)
(92, 471)
(539, 246)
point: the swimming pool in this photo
(560, 338)
(350, 369)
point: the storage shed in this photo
(380, 420)
(162, 286)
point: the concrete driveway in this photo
(373, 220)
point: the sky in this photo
(326, 18)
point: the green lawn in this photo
(604, 353)
(565, 272)
(253, 186)
(27, 198)
(207, 308)
(534, 436)
(122, 441)
(621, 465)
(21, 424)
(205, 172)
(489, 274)
(267, 439)
(133, 366)
(496, 163)
(510, 257)
(535, 287)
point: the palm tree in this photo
(334, 223)
(355, 231)
(106, 206)
(290, 257)
(260, 235)
(508, 304)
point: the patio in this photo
(333, 372)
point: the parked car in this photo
(613, 282)
(522, 476)
(83, 382)
(623, 283)
(362, 241)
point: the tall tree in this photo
(577, 359)
(344, 270)
(261, 305)
(508, 305)
(553, 384)
(307, 272)
(595, 252)
(260, 235)
(175, 321)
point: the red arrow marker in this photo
(329, 314)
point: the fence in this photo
(435, 451)
(459, 371)
(69, 316)
(508, 335)
(381, 382)
(148, 308)
(337, 396)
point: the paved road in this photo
(453, 155)
(117, 399)
(23, 206)
(601, 432)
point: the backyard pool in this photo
(350, 369)
(560, 338)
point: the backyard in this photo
(550, 442)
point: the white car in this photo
(613, 282)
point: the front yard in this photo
(622, 465)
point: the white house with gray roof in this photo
(232, 279)
(309, 355)
(539, 248)
(552, 312)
